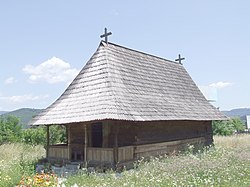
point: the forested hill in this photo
(24, 115)
(239, 112)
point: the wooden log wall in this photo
(171, 147)
(77, 134)
(139, 133)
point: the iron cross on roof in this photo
(105, 35)
(179, 59)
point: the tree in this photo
(237, 124)
(57, 134)
(227, 127)
(10, 131)
(35, 136)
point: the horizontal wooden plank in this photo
(166, 145)
(58, 146)
(98, 149)
(100, 154)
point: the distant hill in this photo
(237, 112)
(24, 115)
(2, 112)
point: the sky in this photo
(44, 44)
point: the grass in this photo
(17, 160)
(225, 164)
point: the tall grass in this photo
(225, 164)
(17, 160)
(240, 141)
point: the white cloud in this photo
(52, 71)
(221, 84)
(209, 92)
(9, 80)
(23, 98)
(114, 12)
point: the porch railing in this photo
(100, 154)
(58, 151)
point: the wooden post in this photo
(69, 142)
(67, 132)
(115, 145)
(48, 142)
(85, 145)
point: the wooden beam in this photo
(85, 145)
(48, 142)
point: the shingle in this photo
(124, 84)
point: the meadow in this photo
(225, 164)
(17, 160)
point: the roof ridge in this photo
(144, 53)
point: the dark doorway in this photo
(96, 130)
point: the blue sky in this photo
(44, 44)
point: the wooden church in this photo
(125, 104)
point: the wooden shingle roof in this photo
(124, 84)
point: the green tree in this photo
(57, 134)
(35, 136)
(237, 124)
(10, 131)
(227, 127)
